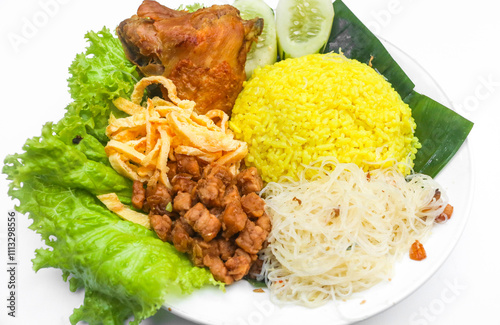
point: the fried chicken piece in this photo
(156, 11)
(203, 52)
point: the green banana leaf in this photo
(440, 130)
(441, 135)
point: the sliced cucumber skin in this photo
(265, 52)
(287, 48)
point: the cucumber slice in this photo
(265, 51)
(303, 26)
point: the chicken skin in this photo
(203, 52)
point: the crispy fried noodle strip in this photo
(141, 144)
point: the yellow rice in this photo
(300, 110)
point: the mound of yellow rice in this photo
(300, 110)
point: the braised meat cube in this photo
(240, 252)
(188, 165)
(233, 219)
(217, 219)
(181, 235)
(159, 189)
(231, 194)
(253, 205)
(251, 238)
(200, 248)
(212, 186)
(162, 225)
(218, 269)
(157, 204)
(183, 201)
(226, 248)
(157, 199)
(264, 222)
(211, 191)
(218, 171)
(238, 265)
(183, 183)
(208, 226)
(138, 194)
(249, 181)
(172, 169)
(203, 222)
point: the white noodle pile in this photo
(342, 231)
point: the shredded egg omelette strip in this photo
(141, 144)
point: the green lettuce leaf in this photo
(72, 131)
(99, 309)
(191, 8)
(125, 268)
(99, 75)
(55, 162)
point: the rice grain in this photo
(322, 105)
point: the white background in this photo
(457, 42)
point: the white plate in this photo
(241, 305)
